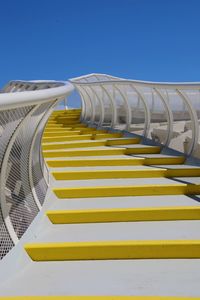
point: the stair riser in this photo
(74, 153)
(90, 163)
(110, 162)
(114, 250)
(120, 191)
(112, 174)
(124, 215)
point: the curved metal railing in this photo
(168, 113)
(24, 109)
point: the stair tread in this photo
(159, 155)
(136, 146)
(178, 166)
(118, 277)
(116, 157)
(124, 202)
(96, 168)
(120, 231)
(83, 149)
(115, 182)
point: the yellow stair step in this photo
(143, 173)
(105, 174)
(60, 129)
(107, 135)
(143, 150)
(124, 215)
(100, 152)
(173, 160)
(123, 141)
(74, 144)
(60, 133)
(90, 136)
(83, 152)
(63, 132)
(78, 125)
(113, 162)
(155, 249)
(66, 138)
(97, 298)
(68, 121)
(95, 162)
(119, 191)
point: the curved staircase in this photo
(121, 220)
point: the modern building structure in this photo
(103, 200)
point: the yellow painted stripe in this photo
(143, 173)
(60, 129)
(83, 152)
(136, 190)
(70, 126)
(74, 145)
(127, 141)
(187, 172)
(86, 130)
(74, 124)
(68, 117)
(143, 150)
(71, 118)
(173, 160)
(51, 124)
(95, 162)
(107, 135)
(91, 136)
(66, 138)
(103, 174)
(78, 125)
(114, 250)
(63, 132)
(124, 215)
(64, 115)
(60, 133)
(110, 162)
(54, 127)
(95, 152)
(69, 121)
(97, 298)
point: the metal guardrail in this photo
(24, 111)
(168, 113)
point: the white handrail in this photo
(33, 97)
(162, 98)
(118, 80)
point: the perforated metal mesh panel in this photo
(9, 122)
(23, 207)
(38, 165)
(23, 185)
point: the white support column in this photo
(91, 102)
(146, 110)
(91, 92)
(102, 114)
(113, 106)
(127, 107)
(83, 104)
(194, 119)
(169, 116)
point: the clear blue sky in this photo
(140, 39)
